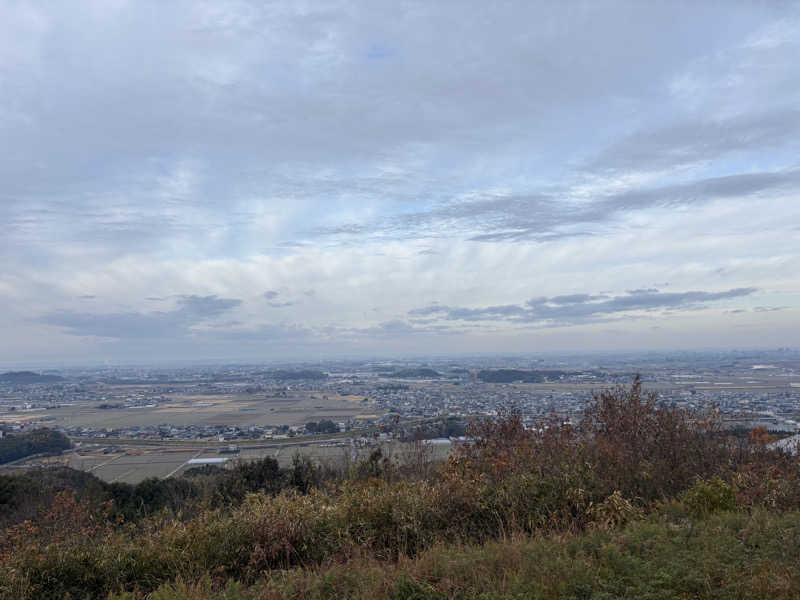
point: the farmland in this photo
(132, 463)
(292, 408)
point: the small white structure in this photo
(789, 444)
(437, 442)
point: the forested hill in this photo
(21, 377)
(299, 374)
(520, 375)
(38, 441)
(419, 373)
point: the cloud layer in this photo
(581, 308)
(252, 180)
(191, 311)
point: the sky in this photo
(237, 180)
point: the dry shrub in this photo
(648, 451)
(625, 442)
(613, 512)
(772, 481)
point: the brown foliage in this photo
(650, 451)
(625, 442)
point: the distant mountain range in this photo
(28, 377)
(290, 374)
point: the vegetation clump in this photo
(38, 441)
(323, 426)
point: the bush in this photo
(647, 451)
(709, 496)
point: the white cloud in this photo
(388, 156)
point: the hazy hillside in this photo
(418, 373)
(519, 375)
(21, 377)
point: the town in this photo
(258, 402)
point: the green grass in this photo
(669, 555)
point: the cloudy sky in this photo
(254, 180)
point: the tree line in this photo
(38, 441)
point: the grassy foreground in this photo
(669, 555)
